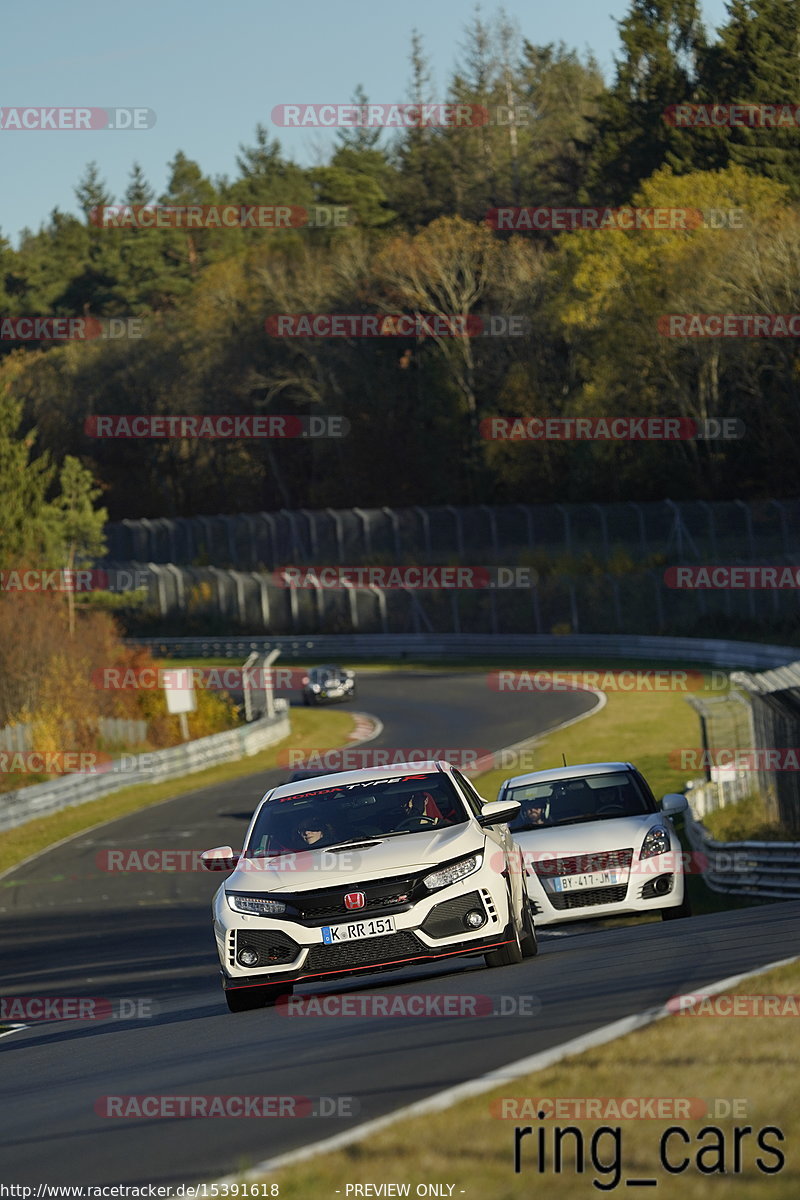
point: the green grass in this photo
(746, 820)
(640, 727)
(310, 727)
(682, 1057)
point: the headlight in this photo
(656, 842)
(256, 906)
(453, 873)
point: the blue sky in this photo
(211, 72)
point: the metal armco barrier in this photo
(767, 869)
(396, 647)
(233, 744)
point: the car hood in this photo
(372, 858)
(613, 833)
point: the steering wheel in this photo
(611, 808)
(419, 822)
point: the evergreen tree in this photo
(359, 176)
(756, 61)
(23, 484)
(663, 41)
(423, 170)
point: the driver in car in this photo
(534, 812)
(413, 812)
(312, 831)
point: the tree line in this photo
(593, 341)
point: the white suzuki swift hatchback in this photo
(596, 844)
(367, 871)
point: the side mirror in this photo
(499, 812)
(221, 858)
(674, 803)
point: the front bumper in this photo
(647, 886)
(432, 928)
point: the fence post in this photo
(392, 515)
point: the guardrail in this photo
(701, 651)
(767, 869)
(41, 799)
(719, 793)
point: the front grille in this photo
(369, 952)
(447, 919)
(272, 945)
(588, 897)
(582, 864)
(382, 895)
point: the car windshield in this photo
(581, 798)
(348, 813)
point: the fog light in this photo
(474, 919)
(247, 957)
(662, 885)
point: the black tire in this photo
(508, 955)
(247, 999)
(530, 946)
(306, 700)
(684, 909)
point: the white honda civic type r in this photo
(367, 871)
(596, 844)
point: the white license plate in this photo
(571, 883)
(354, 931)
